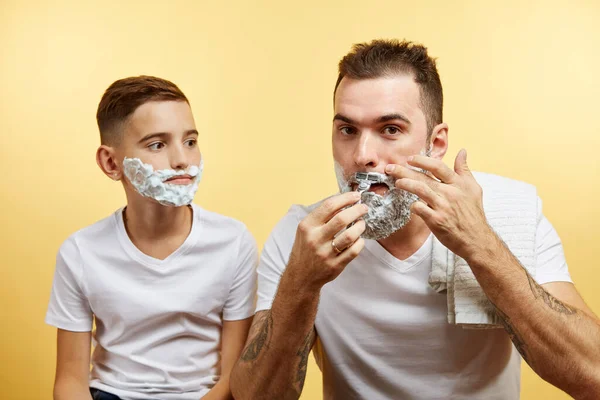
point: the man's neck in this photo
(405, 242)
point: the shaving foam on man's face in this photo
(156, 184)
(388, 213)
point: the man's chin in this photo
(382, 229)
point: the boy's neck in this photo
(147, 223)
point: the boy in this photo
(170, 286)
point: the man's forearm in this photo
(273, 365)
(558, 341)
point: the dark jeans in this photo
(100, 395)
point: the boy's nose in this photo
(178, 159)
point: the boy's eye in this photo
(156, 146)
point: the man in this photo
(379, 329)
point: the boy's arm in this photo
(234, 338)
(72, 365)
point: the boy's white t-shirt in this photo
(383, 332)
(158, 322)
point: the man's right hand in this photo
(318, 255)
(274, 362)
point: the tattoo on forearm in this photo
(513, 335)
(548, 299)
(261, 339)
(551, 301)
(303, 354)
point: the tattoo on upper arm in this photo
(550, 300)
(303, 353)
(261, 334)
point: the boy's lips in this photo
(180, 180)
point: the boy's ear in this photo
(106, 160)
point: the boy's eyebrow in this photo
(165, 134)
(153, 136)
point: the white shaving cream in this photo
(388, 213)
(152, 184)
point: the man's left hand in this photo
(451, 202)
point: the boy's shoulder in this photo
(216, 221)
(92, 234)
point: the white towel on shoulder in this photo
(511, 208)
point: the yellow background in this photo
(522, 89)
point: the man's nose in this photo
(365, 153)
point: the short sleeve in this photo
(275, 257)
(69, 308)
(551, 265)
(240, 301)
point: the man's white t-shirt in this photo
(158, 322)
(382, 331)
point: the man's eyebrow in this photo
(343, 118)
(383, 118)
(391, 117)
(191, 132)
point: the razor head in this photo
(363, 185)
(366, 179)
(371, 177)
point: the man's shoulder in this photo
(494, 182)
(508, 203)
(285, 229)
(297, 212)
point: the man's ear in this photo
(438, 142)
(107, 161)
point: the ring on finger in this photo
(335, 248)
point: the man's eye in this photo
(156, 146)
(347, 130)
(391, 130)
(191, 142)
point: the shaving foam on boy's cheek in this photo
(150, 183)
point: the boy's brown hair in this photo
(124, 96)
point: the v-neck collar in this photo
(150, 261)
(401, 265)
